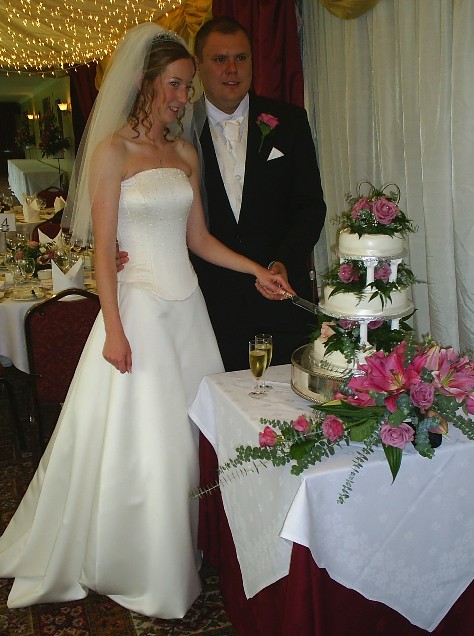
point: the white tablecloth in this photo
(31, 176)
(12, 335)
(409, 545)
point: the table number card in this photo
(7, 223)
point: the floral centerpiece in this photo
(394, 399)
(376, 212)
(42, 253)
(52, 140)
(24, 137)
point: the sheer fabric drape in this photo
(390, 96)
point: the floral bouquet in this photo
(377, 212)
(52, 140)
(24, 136)
(393, 399)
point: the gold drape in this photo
(185, 20)
(348, 9)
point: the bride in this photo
(108, 508)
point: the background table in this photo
(30, 176)
(12, 334)
(409, 545)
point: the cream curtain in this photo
(390, 97)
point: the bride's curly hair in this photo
(162, 53)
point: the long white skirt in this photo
(108, 508)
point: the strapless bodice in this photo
(153, 213)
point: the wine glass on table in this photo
(258, 362)
(265, 341)
(62, 258)
(27, 268)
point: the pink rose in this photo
(383, 272)
(333, 428)
(32, 244)
(397, 436)
(347, 273)
(268, 119)
(375, 324)
(326, 331)
(422, 395)
(384, 210)
(301, 424)
(19, 255)
(470, 404)
(361, 204)
(347, 324)
(267, 437)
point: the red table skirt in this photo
(307, 602)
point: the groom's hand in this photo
(120, 259)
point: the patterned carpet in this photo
(96, 615)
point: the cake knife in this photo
(301, 302)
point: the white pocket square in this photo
(275, 153)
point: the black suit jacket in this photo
(281, 217)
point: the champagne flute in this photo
(265, 341)
(257, 361)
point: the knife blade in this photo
(301, 302)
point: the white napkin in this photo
(59, 204)
(44, 238)
(72, 278)
(31, 211)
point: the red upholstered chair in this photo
(48, 228)
(49, 195)
(56, 331)
(13, 408)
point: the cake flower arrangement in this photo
(407, 396)
(351, 277)
(376, 212)
(343, 335)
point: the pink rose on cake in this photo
(359, 206)
(348, 273)
(384, 210)
(382, 272)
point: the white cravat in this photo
(231, 129)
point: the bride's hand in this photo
(118, 353)
(273, 283)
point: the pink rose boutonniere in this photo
(267, 123)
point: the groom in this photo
(264, 196)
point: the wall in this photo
(53, 90)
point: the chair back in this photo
(49, 195)
(56, 331)
(48, 228)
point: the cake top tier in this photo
(374, 211)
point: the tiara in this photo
(168, 36)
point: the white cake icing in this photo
(335, 360)
(351, 305)
(379, 245)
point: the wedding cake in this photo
(366, 296)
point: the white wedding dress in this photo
(109, 508)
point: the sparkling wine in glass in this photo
(265, 341)
(258, 363)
